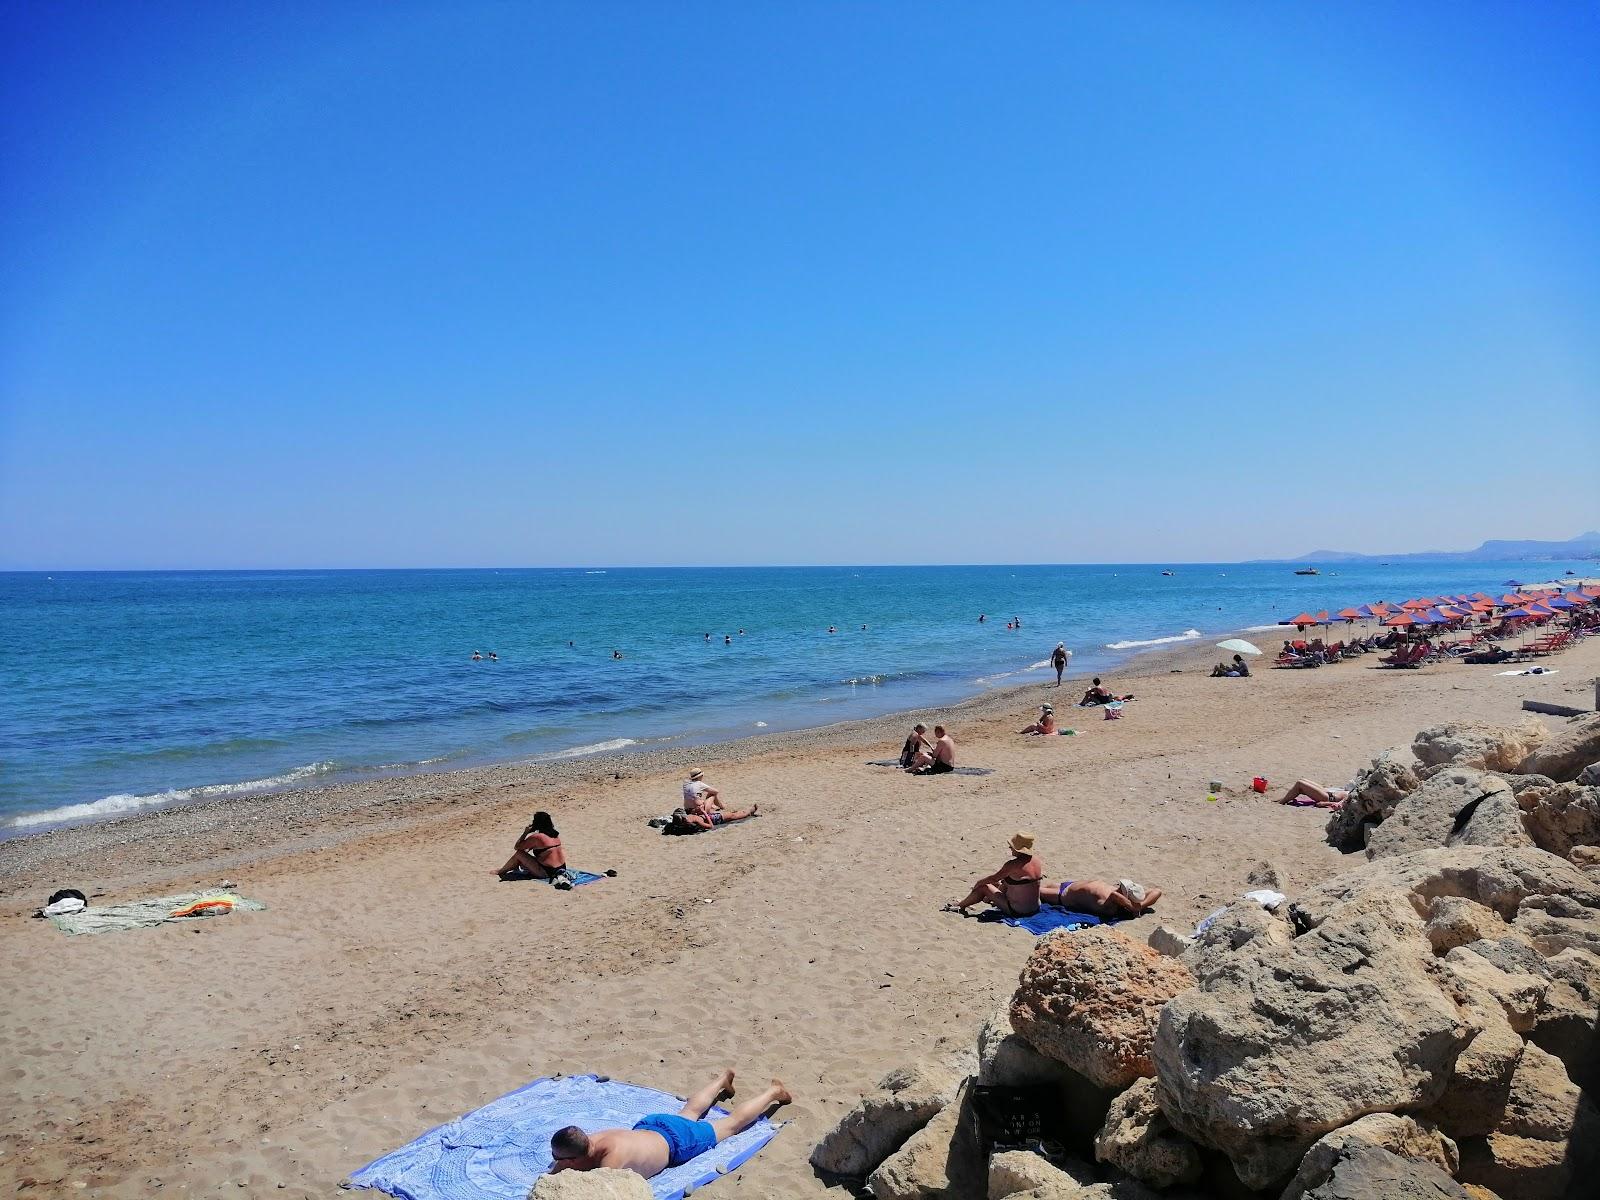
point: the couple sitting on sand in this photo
(1099, 695)
(663, 1140)
(702, 805)
(922, 757)
(1018, 889)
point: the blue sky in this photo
(526, 284)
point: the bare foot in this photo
(755, 810)
(726, 1080)
(781, 1095)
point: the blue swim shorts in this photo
(686, 1139)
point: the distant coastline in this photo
(1585, 545)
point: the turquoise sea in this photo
(121, 691)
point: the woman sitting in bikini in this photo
(1014, 888)
(1045, 724)
(538, 854)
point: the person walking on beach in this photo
(1058, 660)
(662, 1140)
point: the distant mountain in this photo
(1585, 545)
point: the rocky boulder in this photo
(1545, 1144)
(1024, 1173)
(1565, 756)
(1284, 1043)
(604, 1184)
(1567, 1024)
(1439, 812)
(1403, 1136)
(941, 1161)
(884, 1120)
(1361, 1171)
(1169, 940)
(1454, 921)
(1090, 999)
(1374, 792)
(1486, 747)
(1240, 924)
(1561, 817)
(1138, 1139)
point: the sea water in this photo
(121, 691)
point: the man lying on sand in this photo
(538, 854)
(663, 1140)
(938, 759)
(1125, 898)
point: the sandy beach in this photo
(393, 983)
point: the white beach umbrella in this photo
(1239, 646)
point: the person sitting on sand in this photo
(702, 804)
(1125, 898)
(538, 855)
(1014, 888)
(1095, 695)
(1046, 724)
(938, 759)
(916, 742)
(1237, 669)
(1306, 794)
(663, 1140)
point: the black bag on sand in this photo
(1015, 1118)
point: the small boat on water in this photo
(1166, 572)
(1308, 571)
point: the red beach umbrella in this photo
(1400, 620)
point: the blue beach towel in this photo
(499, 1151)
(579, 878)
(1046, 919)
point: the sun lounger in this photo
(499, 1151)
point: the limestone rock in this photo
(1241, 924)
(1454, 921)
(1584, 857)
(1567, 1024)
(1374, 792)
(1411, 1139)
(1545, 1145)
(1589, 776)
(1438, 812)
(881, 1122)
(1553, 922)
(1164, 939)
(1486, 747)
(1474, 1099)
(1284, 1043)
(1138, 1139)
(1005, 1057)
(1022, 1171)
(1519, 994)
(1562, 816)
(1499, 878)
(1090, 999)
(1362, 1171)
(1265, 874)
(1564, 757)
(1497, 821)
(942, 1161)
(603, 1184)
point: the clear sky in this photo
(310, 284)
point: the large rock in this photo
(1564, 757)
(1497, 821)
(1006, 1058)
(884, 1120)
(603, 1184)
(942, 1161)
(1362, 1171)
(1404, 1136)
(1284, 1043)
(1438, 812)
(1553, 922)
(1545, 1146)
(1567, 1024)
(1486, 747)
(1499, 878)
(1474, 1098)
(1455, 921)
(1561, 817)
(1022, 1172)
(1169, 940)
(1374, 792)
(1240, 924)
(1519, 995)
(1138, 1139)
(1090, 999)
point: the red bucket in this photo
(1258, 784)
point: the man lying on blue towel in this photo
(663, 1140)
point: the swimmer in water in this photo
(476, 657)
(493, 657)
(982, 618)
(831, 629)
(616, 654)
(726, 640)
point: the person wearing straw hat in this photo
(1046, 724)
(702, 804)
(1014, 888)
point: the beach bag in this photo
(678, 825)
(1114, 711)
(1013, 1118)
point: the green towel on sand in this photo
(138, 914)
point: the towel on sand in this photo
(499, 1151)
(1048, 918)
(140, 914)
(894, 762)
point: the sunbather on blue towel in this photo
(662, 1140)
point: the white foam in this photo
(582, 751)
(1265, 628)
(123, 802)
(1187, 635)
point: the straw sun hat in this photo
(1022, 843)
(697, 773)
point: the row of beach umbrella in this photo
(1450, 610)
